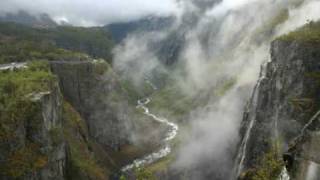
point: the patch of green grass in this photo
(143, 174)
(172, 101)
(308, 33)
(268, 168)
(21, 82)
(161, 165)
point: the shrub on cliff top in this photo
(18, 111)
(308, 33)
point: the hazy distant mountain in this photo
(22, 17)
(120, 30)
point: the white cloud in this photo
(309, 11)
(228, 5)
(91, 12)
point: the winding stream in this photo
(165, 150)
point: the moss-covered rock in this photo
(30, 109)
(94, 91)
(286, 97)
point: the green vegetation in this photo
(141, 174)
(15, 90)
(101, 67)
(17, 109)
(308, 33)
(269, 167)
(161, 165)
(22, 43)
(24, 160)
(15, 50)
(144, 174)
(135, 93)
(94, 41)
(171, 101)
(36, 78)
(82, 163)
(225, 87)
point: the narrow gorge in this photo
(170, 90)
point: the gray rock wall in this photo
(36, 141)
(50, 135)
(287, 98)
(98, 97)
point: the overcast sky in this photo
(92, 12)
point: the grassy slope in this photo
(309, 33)
(21, 43)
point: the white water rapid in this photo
(284, 175)
(12, 66)
(165, 150)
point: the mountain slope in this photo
(120, 31)
(92, 41)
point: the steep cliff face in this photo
(49, 127)
(31, 121)
(44, 137)
(93, 90)
(303, 156)
(284, 101)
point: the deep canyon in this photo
(213, 89)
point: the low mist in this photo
(225, 43)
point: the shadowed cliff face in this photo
(288, 96)
(98, 97)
